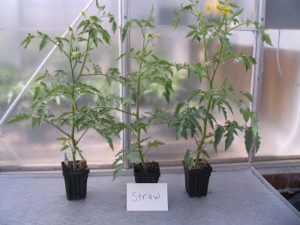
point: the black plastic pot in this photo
(75, 182)
(196, 180)
(142, 176)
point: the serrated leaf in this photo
(257, 143)
(117, 171)
(18, 118)
(233, 5)
(184, 133)
(247, 95)
(179, 129)
(246, 62)
(64, 147)
(218, 136)
(61, 139)
(266, 38)
(132, 157)
(252, 59)
(154, 143)
(246, 114)
(248, 138)
(178, 107)
(27, 40)
(126, 28)
(204, 153)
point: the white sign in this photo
(147, 197)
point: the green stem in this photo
(138, 99)
(79, 139)
(74, 108)
(85, 58)
(58, 128)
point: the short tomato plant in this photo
(58, 98)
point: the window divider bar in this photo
(124, 66)
(258, 51)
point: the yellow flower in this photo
(150, 35)
(63, 142)
(226, 10)
(83, 13)
(157, 35)
(70, 29)
(218, 6)
(207, 8)
(207, 63)
(90, 61)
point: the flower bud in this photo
(76, 54)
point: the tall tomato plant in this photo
(196, 113)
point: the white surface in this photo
(147, 197)
(236, 196)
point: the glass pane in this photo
(21, 145)
(173, 46)
(279, 103)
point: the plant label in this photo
(147, 197)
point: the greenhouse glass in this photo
(173, 46)
(20, 145)
(279, 111)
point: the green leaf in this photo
(252, 59)
(61, 139)
(82, 23)
(238, 12)
(204, 152)
(64, 147)
(36, 93)
(266, 38)
(246, 114)
(154, 143)
(117, 171)
(233, 5)
(257, 143)
(40, 77)
(18, 118)
(109, 141)
(188, 159)
(246, 62)
(229, 139)
(184, 133)
(105, 35)
(247, 95)
(179, 129)
(248, 138)
(44, 40)
(34, 121)
(230, 131)
(27, 40)
(132, 157)
(114, 26)
(126, 28)
(218, 136)
(187, 7)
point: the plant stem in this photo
(211, 82)
(74, 107)
(138, 99)
(85, 57)
(58, 128)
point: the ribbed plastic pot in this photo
(75, 183)
(196, 180)
(146, 177)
